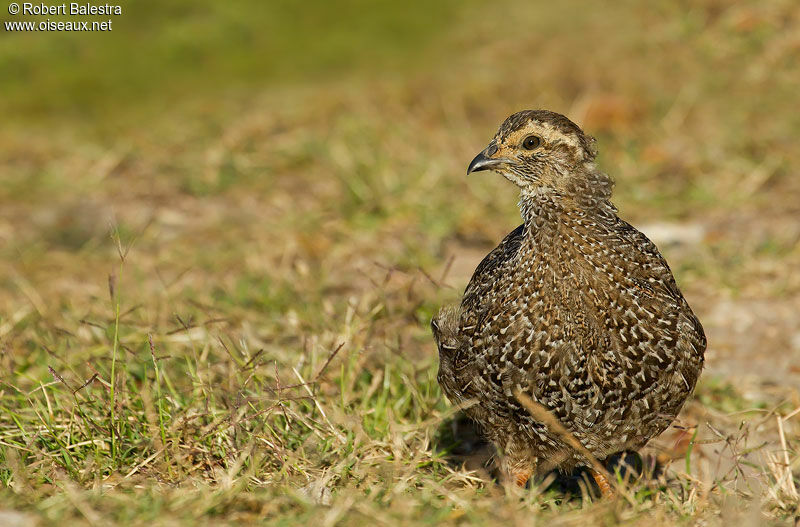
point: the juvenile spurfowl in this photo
(575, 309)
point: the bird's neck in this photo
(547, 212)
(540, 207)
(543, 206)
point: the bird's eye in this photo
(531, 142)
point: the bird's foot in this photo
(521, 476)
(603, 483)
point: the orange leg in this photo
(521, 476)
(603, 483)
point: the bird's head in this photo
(538, 149)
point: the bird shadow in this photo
(461, 443)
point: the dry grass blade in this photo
(786, 479)
(543, 415)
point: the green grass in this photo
(223, 232)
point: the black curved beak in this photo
(484, 161)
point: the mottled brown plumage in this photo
(575, 308)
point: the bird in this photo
(575, 312)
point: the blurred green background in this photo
(160, 53)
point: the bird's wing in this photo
(653, 322)
(654, 272)
(664, 285)
(484, 278)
